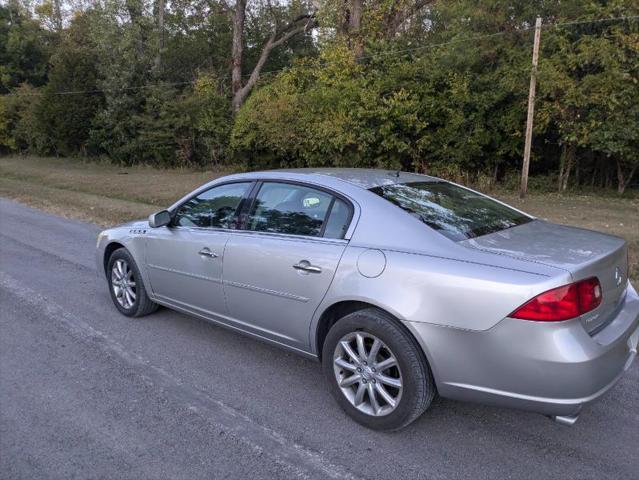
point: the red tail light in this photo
(562, 303)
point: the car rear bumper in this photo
(550, 368)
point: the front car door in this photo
(279, 266)
(185, 259)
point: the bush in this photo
(173, 128)
(211, 120)
(387, 112)
(7, 141)
(328, 113)
(66, 119)
(23, 126)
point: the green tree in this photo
(68, 117)
(125, 72)
(24, 47)
(589, 92)
(23, 124)
(190, 129)
(327, 112)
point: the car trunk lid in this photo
(583, 253)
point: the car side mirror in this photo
(159, 219)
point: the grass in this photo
(608, 214)
(106, 194)
(97, 192)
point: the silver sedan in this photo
(404, 286)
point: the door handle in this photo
(305, 266)
(206, 252)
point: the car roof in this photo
(362, 177)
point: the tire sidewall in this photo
(404, 350)
(123, 254)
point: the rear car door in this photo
(185, 259)
(279, 267)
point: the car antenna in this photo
(395, 174)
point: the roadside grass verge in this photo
(107, 194)
(135, 184)
(604, 213)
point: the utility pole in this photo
(531, 111)
(160, 6)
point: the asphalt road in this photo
(88, 393)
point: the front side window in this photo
(215, 208)
(290, 209)
(453, 211)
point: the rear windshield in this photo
(453, 211)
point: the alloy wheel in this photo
(368, 373)
(123, 283)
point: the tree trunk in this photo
(240, 95)
(354, 27)
(567, 162)
(355, 17)
(160, 19)
(422, 167)
(57, 15)
(564, 184)
(237, 51)
(622, 179)
(401, 13)
(570, 162)
(241, 91)
(562, 164)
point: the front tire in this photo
(126, 287)
(376, 371)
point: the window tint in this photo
(338, 220)
(214, 208)
(291, 209)
(451, 210)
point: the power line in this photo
(106, 90)
(583, 22)
(375, 55)
(496, 34)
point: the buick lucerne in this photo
(404, 286)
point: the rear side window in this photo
(298, 210)
(338, 220)
(453, 211)
(214, 208)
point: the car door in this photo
(279, 267)
(185, 259)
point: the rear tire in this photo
(126, 286)
(370, 349)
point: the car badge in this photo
(618, 276)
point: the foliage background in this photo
(444, 92)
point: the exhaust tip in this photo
(568, 420)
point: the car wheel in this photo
(376, 371)
(126, 287)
